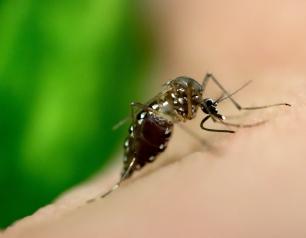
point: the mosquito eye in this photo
(209, 102)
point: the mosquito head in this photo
(209, 106)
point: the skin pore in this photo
(247, 184)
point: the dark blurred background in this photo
(68, 71)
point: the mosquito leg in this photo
(242, 125)
(111, 190)
(120, 123)
(123, 177)
(134, 107)
(117, 185)
(228, 95)
(224, 96)
(213, 130)
(237, 116)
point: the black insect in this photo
(179, 101)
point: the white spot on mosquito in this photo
(173, 95)
(193, 109)
(165, 103)
(143, 115)
(151, 158)
(167, 131)
(196, 98)
(155, 106)
(126, 143)
(181, 100)
(162, 146)
(140, 121)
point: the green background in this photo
(68, 71)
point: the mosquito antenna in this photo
(242, 125)
(222, 98)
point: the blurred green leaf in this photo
(68, 71)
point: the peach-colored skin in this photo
(252, 183)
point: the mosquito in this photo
(153, 122)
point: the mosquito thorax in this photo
(185, 95)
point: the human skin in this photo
(248, 184)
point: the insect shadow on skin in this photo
(153, 122)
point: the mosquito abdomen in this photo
(148, 136)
